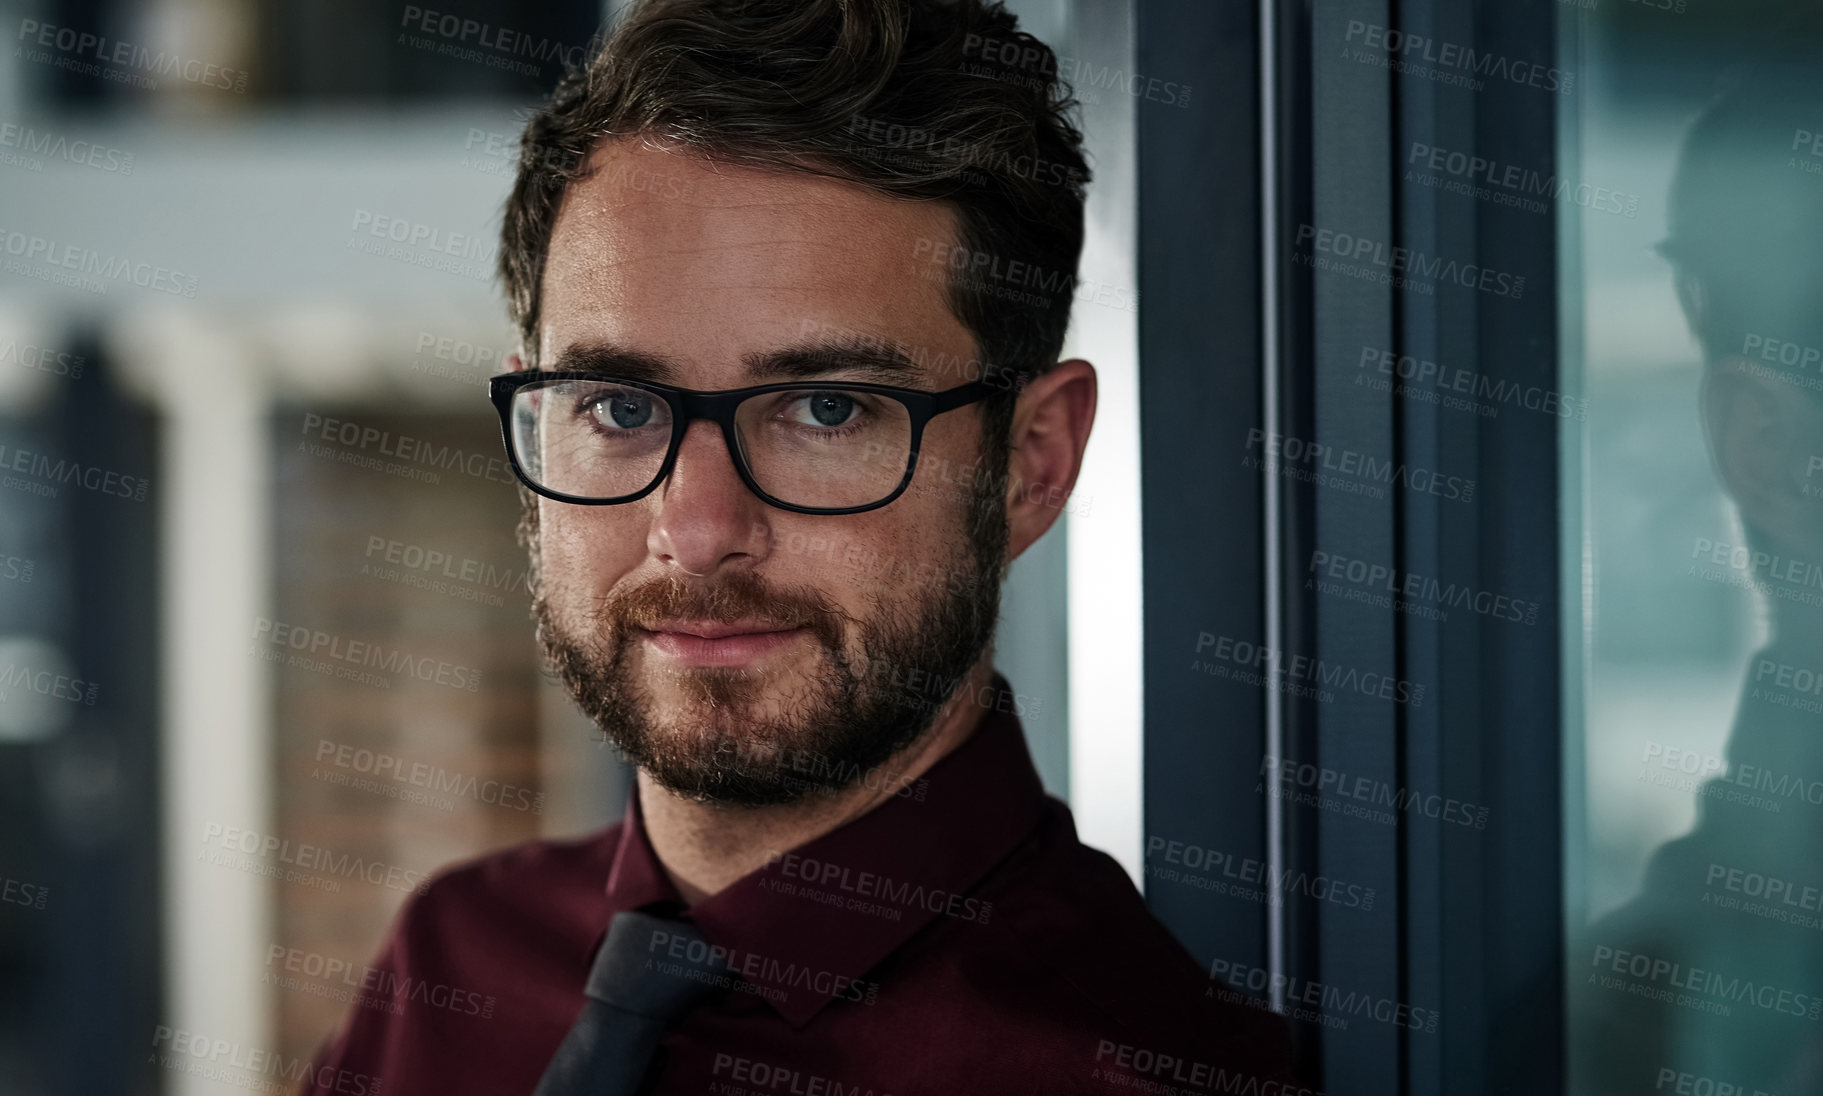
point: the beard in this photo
(753, 737)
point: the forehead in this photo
(667, 253)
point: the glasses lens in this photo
(825, 447)
(593, 439)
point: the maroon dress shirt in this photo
(957, 938)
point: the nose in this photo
(707, 518)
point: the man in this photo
(1711, 977)
(839, 872)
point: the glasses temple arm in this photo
(963, 395)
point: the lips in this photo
(715, 629)
(720, 643)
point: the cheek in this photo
(915, 545)
(864, 562)
(950, 469)
(588, 548)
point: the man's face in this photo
(865, 618)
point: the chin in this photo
(725, 696)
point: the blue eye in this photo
(830, 408)
(626, 409)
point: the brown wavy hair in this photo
(911, 98)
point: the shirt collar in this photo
(817, 918)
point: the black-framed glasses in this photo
(839, 447)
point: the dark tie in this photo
(649, 971)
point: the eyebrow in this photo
(871, 357)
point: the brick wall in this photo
(388, 771)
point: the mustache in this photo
(735, 597)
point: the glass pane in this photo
(825, 446)
(1695, 749)
(592, 439)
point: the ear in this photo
(1763, 436)
(515, 363)
(1051, 425)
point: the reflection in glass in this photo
(1709, 971)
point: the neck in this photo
(1797, 632)
(706, 846)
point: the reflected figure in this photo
(1712, 975)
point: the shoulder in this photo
(549, 890)
(1079, 908)
(1106, 988)
(545, 868)
(470, 962)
